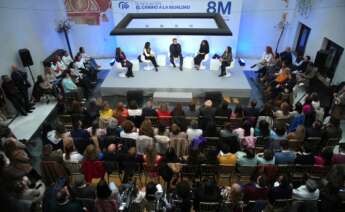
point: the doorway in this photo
(303, 35)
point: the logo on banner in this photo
(220, 7)
(124, 5)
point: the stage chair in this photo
(203, 62)
(229, 68)
(121, 70)
(214, 64)
(147, 63)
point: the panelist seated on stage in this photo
(225, 60)
(149, 55)
(120, 57)
(176, 52)
(203, 51)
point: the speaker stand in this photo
(32, 76)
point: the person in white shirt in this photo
(193, 131)
(150, 55)
(58, 66)
(129, 131)
(162, 139)
(70, 154)
(87, 59)
(78, 65)
(309, 191)
(266, 59)
(66, 59)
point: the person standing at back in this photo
(176, 52)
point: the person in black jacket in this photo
(120, 57)
(13, 94)
(203, 51)
(20, 79)
(176, 52)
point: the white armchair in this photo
(147, 63)
(121, 70)
(229, 68)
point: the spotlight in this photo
(241, 61)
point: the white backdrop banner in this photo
(133, 45)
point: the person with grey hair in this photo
(83, 190)
(193, 130)
(308, 191)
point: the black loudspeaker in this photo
(137, 95)
(25, 56)
(216, 97)
(321, 58)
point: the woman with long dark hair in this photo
(149, 55)
(120, 57)
(203, 51)
(226, 60)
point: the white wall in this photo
(259, 26)
(326, 20)
(29, 24)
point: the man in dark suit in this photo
(13, 94)
(149, 110)
(20, 79)
(176, 52)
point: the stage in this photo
(171, 79)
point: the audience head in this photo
(163, 107)
(253, 103)
(161, 129)
(76, 107)
(211, 187)
(175, 129)
(204, 43)
(127, 126)
(267, 110)
(147, 45)
(194, 124)
(151, 190)
(133, 105)
(208, 103)
(174, 40)
(284, 144)
(63, 195)
(39, 79)
(249, 153)
(111, 148)
(76, 123)
(178, 111)
(315, 97)
(192, 107)
(146, 128)
(90, 152)
(268, 154)
(238, 111)
(269, 50)
(299, 107)
(151, 155)
(283, 180)
(149, 104)
(77, 57)
(264, 128)
(285, 108)
(280, 130)
(236, 193)
(47, 150)
(261, 181)
(170, 155)
(103, 191)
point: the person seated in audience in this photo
(302, 66)
(286, 156)
(280, 133)
(314, 131)
(246, 158)
(91, 166)
(57, 136)
(310, 72)
(153, 192)
(80, 136)
(19, 158)
(70, 153)
(96, 131)
(237, 113)
(120, 57)
(183, 192)
(49, 75)
(267, 157)
(256, 189)
(192, 111)
(226, 60)
(178, 140)
(203, 51)
(87, 59)
(281, 189)
(332, 130)
(324, 158)
(110, 157)
(308, 191)
(105, 114)
(68, 84)
(164, 115)
(105, 200)
(65, 201)
(48, 154)
(223, 110)
(81, 189)
(145, 137)
(178, 114)
(148, 110)
(283, 112)
(251, 110)
(266, 60)
(42, 87)
(193, 130)
(266, 114)
(206, 114)
(305, 157)
(152, 161)
(135, 113)
(264, 130)
(128, 161)
(286, 56)
(297, 117)
(162, 139)
(229, 141)
(129, 130)
(175, 51)
(150, 55)
(227, 159)
(57, 66)
(67, 59)
(113, 128)
(207, 191)
(92, 112)
(77, 111)
(120, 112)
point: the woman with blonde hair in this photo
(152, 161)
(70, 153)
(164, 115)
(90, 152)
